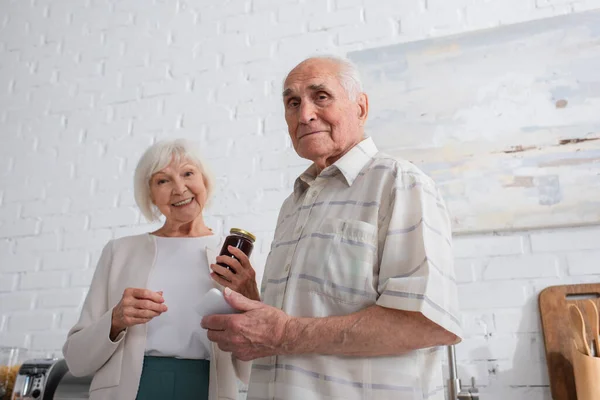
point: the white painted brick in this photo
(42, 280)
(45, 242)
(206, 114)
(463, 270)
(478, 246)
(276, 123)
(64, 223)
(6, 246)
(580, 6)
(278, 31)
(364, 32)
(131, 146)
(68, 188)
(584, 263)
(310, 43)
(259, 5)
(255, 52)
(89, 240)
(489, 295)
(223, 167)
(82, 278)
(523, 266)
(270, 179)
(22, 194)
(64, 298)
(97, 201)
(48, 340)
(68, 319)
(253, 108)
(524, 320)
(526, 347)
(342, 4)
(10, 212)
(583, 239)
(19, 262)
(18, 339)
(115, 217)
(65, 260)
(32, 321)
(16, 301)
(223, 9)
(237, 129)
(241, 92)
(302, 11)
(8, 282)
(21, 227)
(50, 206)
(477, 324)
(246, 23)
(104, 131)
(350, 16)
(259, 145)
(252, 223)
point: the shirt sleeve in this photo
(416, 271)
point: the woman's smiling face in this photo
(179, 192)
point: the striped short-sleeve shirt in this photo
(367, 230)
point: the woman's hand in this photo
(241, 278)
(137, 306)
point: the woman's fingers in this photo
(230, 262)
(139, 313)
(149, 305)
(242, 258)
(223, 272)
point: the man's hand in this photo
(259, 332)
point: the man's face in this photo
(323, 122)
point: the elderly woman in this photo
(139, 333)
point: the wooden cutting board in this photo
(553, 302)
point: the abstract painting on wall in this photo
(506, 120)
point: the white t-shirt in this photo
(181, 271)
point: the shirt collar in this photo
(349, 166)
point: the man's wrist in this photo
(294, 335)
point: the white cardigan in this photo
(117, 366)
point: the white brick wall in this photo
(85, 87)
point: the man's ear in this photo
(363, 107)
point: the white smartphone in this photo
(213, 302)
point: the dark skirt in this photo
(165, 378)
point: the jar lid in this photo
(243, 232)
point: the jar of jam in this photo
(240, 239)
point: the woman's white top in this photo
(182, 273)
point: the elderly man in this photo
(358, 290)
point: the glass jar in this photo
(240, 239)
(11, 359)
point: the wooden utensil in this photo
(590, 314)
(578, 327)
(558, 339)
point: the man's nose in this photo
(307, 113)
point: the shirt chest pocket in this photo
(341, 255)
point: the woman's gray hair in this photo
(157, 157)
(348, 74)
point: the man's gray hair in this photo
(348, 74)
(157, 157)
